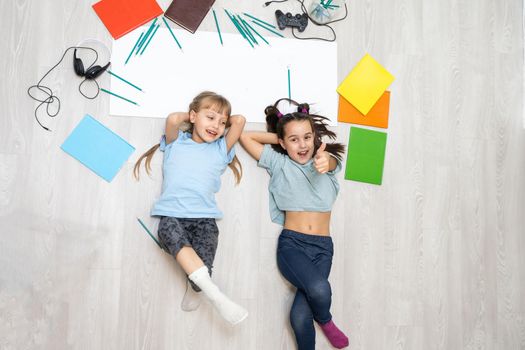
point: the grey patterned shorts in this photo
(202, 234)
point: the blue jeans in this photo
(305, 261)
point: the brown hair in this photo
(205, 99)
(276, 121)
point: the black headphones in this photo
(92, 72)
(44, 94)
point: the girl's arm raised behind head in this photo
(254, 141)
(237, 123)
(173, 122)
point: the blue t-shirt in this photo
(297, 187)
(192, 175)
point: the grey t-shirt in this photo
(297, 187)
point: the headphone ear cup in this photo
(78, 66)
(95, 71)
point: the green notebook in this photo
(366, 156)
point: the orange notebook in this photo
(365, 84)
(122, 16)
(377, 116)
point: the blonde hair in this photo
(205, 99)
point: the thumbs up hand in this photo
(322, 159)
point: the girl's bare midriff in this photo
(308, 222)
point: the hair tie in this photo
(304, 110)
(279, 115)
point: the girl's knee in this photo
(320, 291)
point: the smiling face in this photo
(208, 124)
(298, 140)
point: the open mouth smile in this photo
(303, 153)
(211, 132)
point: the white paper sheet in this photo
(250, 78)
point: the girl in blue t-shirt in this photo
(302, 189)
(192, 165)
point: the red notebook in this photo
(122, 16)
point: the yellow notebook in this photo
(365, 84)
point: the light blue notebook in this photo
(98, 148)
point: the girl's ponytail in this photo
(148, 155)
(303, 108)
(320, 126)
(272, 118)
(236, 167)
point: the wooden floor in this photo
(432, 259)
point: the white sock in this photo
(191, 299)
(230, 311)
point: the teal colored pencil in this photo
(235, 24)
(243, 31)
(238, 28)
(124, 80)
(289, 85)
(149, 40)
(146, 36)
(256, 32)
(262, 25)
(134, 47)
(268, 29)
(149, 233)
(171, 32)
(217, 24)
(259, 20)
(114, 94)
(243, 23)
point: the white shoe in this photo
(191, 300)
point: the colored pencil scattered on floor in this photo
(171, 32)
(259, 20)
(289, 85)
(148, 32)
(268, 29)
(149, 233)
(124, 80)
(256, 32)
(134, 47)
(217, 24)
(150, 38)
(237, 25)
(246, 29)
(123, 98)
(241, 29)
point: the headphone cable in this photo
(52, 98)
(327, 24)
